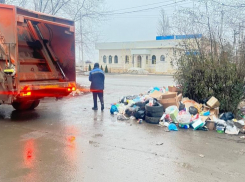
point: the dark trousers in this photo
(100, 95)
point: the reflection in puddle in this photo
(24, 115)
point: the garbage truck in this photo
(37, 57)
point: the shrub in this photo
(101, 67)
(205, 75)
(106, 69)
(89, 68)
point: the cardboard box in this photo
(169, 99)
(204, 118)
(173, 89)
(213, 111)
(179, 97)
(156, 94)
(213, 102)
(210, 125)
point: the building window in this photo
(153, 59)
(146, 59)
(110, 59)
(104, 59)
(115, 59)
(126, 60)
(162, 58)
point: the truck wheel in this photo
(21, 106)
(152, 120)
(34, 104)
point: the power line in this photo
(127, 12)
(140, 6)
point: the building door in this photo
(139, 62)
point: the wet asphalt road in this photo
(67, 141)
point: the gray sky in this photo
(135, 26)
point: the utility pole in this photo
(81, 37)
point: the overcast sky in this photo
(138, 26)
(135, 26)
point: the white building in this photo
(154, 56)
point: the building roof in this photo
(154, 44)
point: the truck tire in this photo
(157, 108)
(34, 104)
(154, 114)
(21, 106)
(152, 120)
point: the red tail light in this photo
(73, 88)
(24, 94)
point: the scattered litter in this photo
(159, 144)
(122, 117)
(172, 127)
(242, 137)
(140, 121)
(202, 156)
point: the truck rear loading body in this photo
(37, 57)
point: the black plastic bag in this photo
(181, 107)
(227, 116)
(139, 114)
(193, 110)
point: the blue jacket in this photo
(97, 78)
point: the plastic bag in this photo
(170, 109)
(181, 107)
(231, 130)
(227, 116)
(172, 127)
(193, 110)
(139, 114)
(184, 117)
(113, 109)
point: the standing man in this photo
(97, 78)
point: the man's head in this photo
(96, 65)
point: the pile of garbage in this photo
(167, 107)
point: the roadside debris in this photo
(166, 107)
(80, 90)
(202, 156)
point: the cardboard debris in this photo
(210, 125)
(169, 99)
(173, 89)
(156, 94)
(204, 118)
(188, 103)
(213, 102)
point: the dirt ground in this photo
(66, 141)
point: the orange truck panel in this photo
(37, 51)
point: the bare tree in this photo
(163, 24)
(86, 13)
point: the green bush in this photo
(89, 68)
(106, 69)
(206, 75)
(101, 67)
